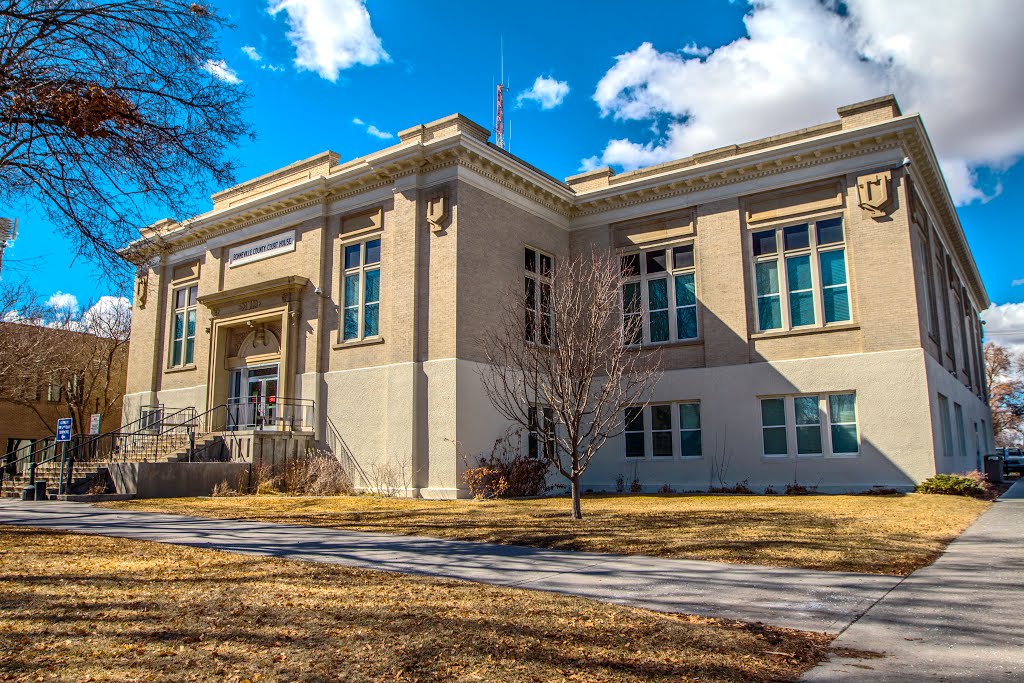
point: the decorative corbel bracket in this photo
(437, 212)
(875, 193)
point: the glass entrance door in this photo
(253, 400)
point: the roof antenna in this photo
(499, 120)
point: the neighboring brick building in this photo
(31, 403)
(814, 292)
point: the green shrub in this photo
(970, 484)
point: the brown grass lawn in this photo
(874, 534)
(90, 608)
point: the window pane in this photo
(844, 438)
(661, 417)
(769, 313)
(830, 231)
(631, 265)
(775, 441)
(655, 261)
(796, 237)
(190, 350)
(352, 256)
(808, 440)
(682, 257)
(192, 293)
(351, 323)
(798, 271)
(545, 297)
(372, 252)
(531, 261)
(179, 325)
(689, 415)
(351, 290)
(547, 330)
(661, 442)
(686, 290)
(176, 352)
(768, 277)
(631, 297)
(806, 408)
(179, 298)
(842, 407)
(634, 445)
(773, 412)
(372, 293)
(690, 443)
(545, 265)
(686, 322)
(657, 293)
(190, 330)
(837, 304)
(764, 243)
(634, 419)
(833, 267)
(659, 326)
(801, 308)
(370, 320)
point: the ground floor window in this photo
(947, 427)
(793, 424)
(663, 430)
(541, 439)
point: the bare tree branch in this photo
(586, 377)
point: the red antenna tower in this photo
(499, 120)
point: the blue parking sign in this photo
(63, 429)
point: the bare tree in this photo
(111, 111)
(560, 352)
(79, 358)
(1004, 371)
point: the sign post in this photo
(94, 423)
(63, 436)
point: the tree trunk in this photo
(577, 510)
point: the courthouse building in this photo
(813, 292)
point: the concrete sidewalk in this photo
(795, 598)
(956, 620)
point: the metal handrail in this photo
(95, 438)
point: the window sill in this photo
(665, 345)
(834, 327)
(180, 368)
(357, 342)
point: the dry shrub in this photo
(265, 481)
(223, 490)
(506, 472)
(387, 480)
(738, 487)
(972, 484)
(317, 474)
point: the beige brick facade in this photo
(454, 215)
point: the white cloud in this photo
(62, 301)
(800, 59)
(252, 53)
(109, 316)
(1017, 283)
(373, 130)
(219, 69)
(694, 51)
(378, 133)
(590, 164)
(547, 92)
(330, 35)
(1004, 324)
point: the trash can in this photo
(41, 491)
(994, 469)
(28, 493)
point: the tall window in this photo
(842, 414)
(800, 275)
(773, 426)
(541, 439)
(540, 321)
(947, 429)
(183, 341)
(661, 282)
(663, 430)
(808, 425)
(961, 432)
(362, 290)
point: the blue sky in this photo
(626, 85)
